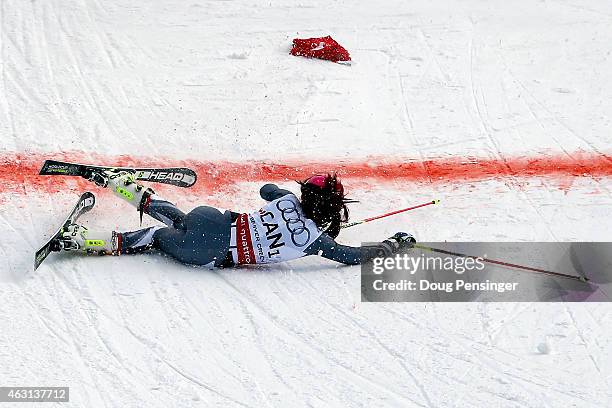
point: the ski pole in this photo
(502, 263)
(352, 224)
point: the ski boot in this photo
(123, 184)
(76, 237)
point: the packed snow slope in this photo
(212, 81)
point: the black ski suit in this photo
(202, 237)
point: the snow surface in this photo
(213, 80)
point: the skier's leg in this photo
(171, 241)
(164, 211)
(80, 238)
(139, 241)
(203, 240)
(124, 185)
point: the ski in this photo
(85, 203)
(177, 176)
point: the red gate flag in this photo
(322, 47)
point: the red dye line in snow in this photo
(19, 171)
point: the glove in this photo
(399, 241)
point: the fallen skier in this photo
(285, 228)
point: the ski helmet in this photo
(322, 181)
(324, 202)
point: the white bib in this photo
(278, 232)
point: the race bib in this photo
(278, 232)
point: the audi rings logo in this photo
(300, 235)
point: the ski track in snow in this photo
(500, 110)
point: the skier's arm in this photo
(271, 192)
(326, 247)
